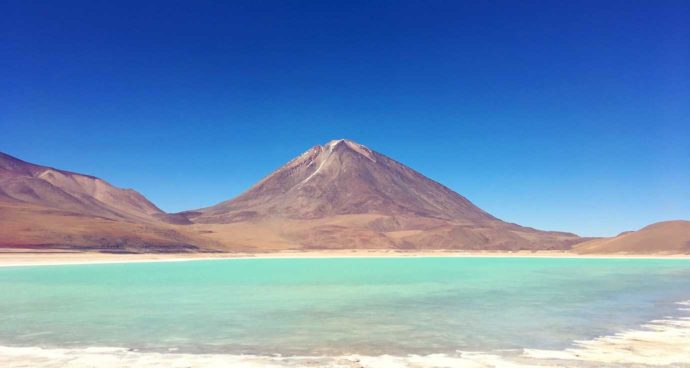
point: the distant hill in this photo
(345, 195)
(43, 207)
(669, 237)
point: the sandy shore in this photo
(30, 258)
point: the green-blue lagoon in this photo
(302, 311)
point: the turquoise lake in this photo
(336, 306)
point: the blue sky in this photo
(558, 115)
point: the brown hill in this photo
(25, 182)
(45, 207)
(344, 195)
(669, 237)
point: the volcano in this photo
(344, 195)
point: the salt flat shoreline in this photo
(30, 258)
(662, 342)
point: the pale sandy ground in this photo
(10, 257)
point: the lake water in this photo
(335, 307)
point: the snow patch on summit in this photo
(361, 149)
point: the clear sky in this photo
(563, 115)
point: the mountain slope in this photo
(45, 207)
(670, 237)
(343, 195)
(30, 183)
